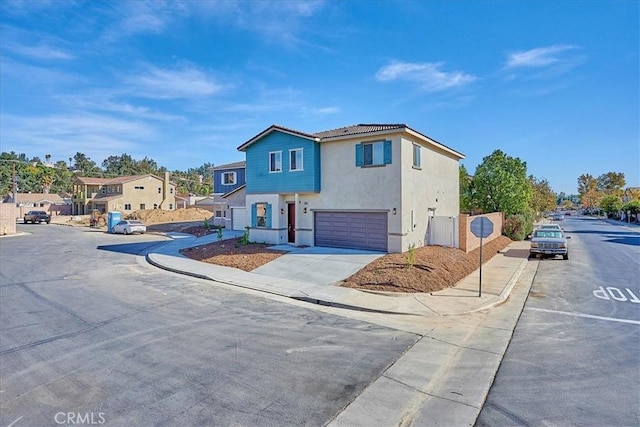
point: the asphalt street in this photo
(575, 353)
(90, 332)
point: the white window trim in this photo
(301, 168)
(234, 177)
(269, 166)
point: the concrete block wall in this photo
(8, 214)
(468, 241)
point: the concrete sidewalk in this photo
(498, 278)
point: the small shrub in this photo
(220, 236)
(245, 237)
(411, 255)
(519, 226)
(206, 225)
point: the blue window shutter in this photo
(254, 215)
(268, 214)
(358, 154)
(387, 152)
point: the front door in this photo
(291, 216)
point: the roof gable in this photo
(276, 128)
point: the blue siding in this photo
(259, 180)
(218, 186)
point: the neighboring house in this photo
(364, 186)
(124, 193)
(187, 200)
(228, 202)
(55, 204)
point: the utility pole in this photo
(13, 179)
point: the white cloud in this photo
(428, 75)
(41, 51)
(186, 82)
(539, 57)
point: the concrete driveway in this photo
(317, 265)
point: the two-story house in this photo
(229, 195)
(368, 186)
(124, 193)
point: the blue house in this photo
(229, 195)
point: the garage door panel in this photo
(358, 230)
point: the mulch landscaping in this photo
(433, 268)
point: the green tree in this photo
(611, 183)
(501, 185)
(466, 190)
(84, 166)
(611, 204)
(586, 182)
(542, 198)
(46, 177)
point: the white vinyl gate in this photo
(443, 231)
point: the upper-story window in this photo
(295, 159)
(171, 190)
(373, 153)
(228, 178)
(275, 161)
(416, 156)
(159, 190)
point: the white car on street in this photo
(129, 227)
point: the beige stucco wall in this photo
(435, 185)
(148, 196)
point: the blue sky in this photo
(184, 83)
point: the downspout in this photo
(297, 221)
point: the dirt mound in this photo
(158, 216)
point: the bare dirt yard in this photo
(434, 267)
(232, 253)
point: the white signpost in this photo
(481, 227)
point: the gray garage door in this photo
(357, 230)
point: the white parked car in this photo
(129, 227)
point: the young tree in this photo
(501, 185)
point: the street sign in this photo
(481, 227)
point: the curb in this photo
(506, 292)
(301, 297)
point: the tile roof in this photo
(234, 165)
(358, 129)
(347, 131)
(115, 180)
(36, 198)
